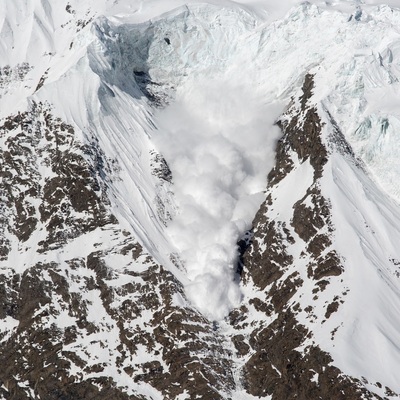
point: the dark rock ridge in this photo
(67, 198)
(85, 315)
(183, 351)
(274, 365)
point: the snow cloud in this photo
(218, 139)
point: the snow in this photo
(292, 189)
(228, 72)
(219, 150)
(369, 315)
(7, 326)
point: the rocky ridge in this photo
(80, 325)
(286, 254)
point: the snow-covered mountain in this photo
(199, 200)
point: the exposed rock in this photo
(72, 199)
(268, 263)
(78, 319)
(274, 364)
(39, 352)
(279, 370)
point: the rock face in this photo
(82, 325)
(275, 366)
(52, 360)
(50, 179)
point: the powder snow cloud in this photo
(218, 138)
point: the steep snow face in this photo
(39, 41)
(367, 231)
(226, 75)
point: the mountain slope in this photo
(198, 206)
(303, 314)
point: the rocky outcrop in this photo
(50, 181)
(147, 338)
(282, 359)
(91, 309)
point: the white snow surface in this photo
(228, 71)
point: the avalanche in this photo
(217, 133)
(182, 98)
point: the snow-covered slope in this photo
(318, 271)
(141, 142)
